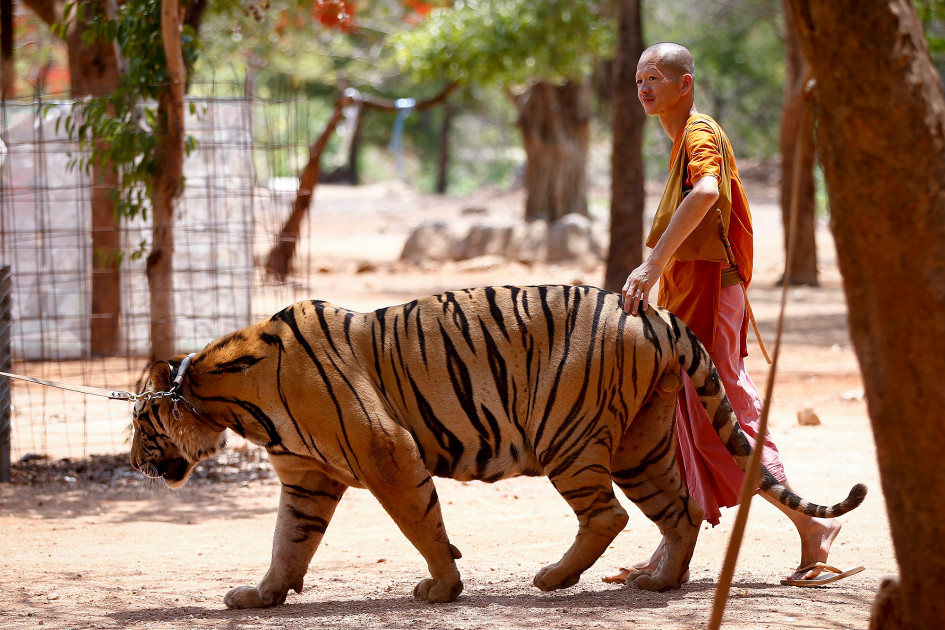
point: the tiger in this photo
(477, 384)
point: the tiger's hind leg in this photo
(645, 468)
(305, 508)
(585, 483)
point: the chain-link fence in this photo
(239, 189)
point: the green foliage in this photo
(285, 129)
(739, 63)
(932, 14)
(118, 130)
(283, 43)
(505, 43)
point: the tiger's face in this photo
(169, 439)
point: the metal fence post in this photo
(6, 362)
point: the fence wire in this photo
(240, 184)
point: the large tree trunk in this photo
(93, 70)
(797, 149)
(881, 137)
(555, 125)
(627, 174)
(167, 185)
(6, 49)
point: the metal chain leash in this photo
(174, 393)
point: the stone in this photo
(806, 417)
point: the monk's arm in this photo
(690, 212)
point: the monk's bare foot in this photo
(647, 566)
(816, 538)
(617, 578)
(621, 576)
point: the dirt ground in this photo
(91, 544)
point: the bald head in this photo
(673, 59)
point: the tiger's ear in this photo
(161, 376)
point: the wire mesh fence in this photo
(239, 190)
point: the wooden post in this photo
(6, 363)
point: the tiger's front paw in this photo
(553, 577)
(437, 591)
(252, 597)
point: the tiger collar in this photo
(175, 391)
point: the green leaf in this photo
(108, 129)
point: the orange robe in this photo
(691, 289)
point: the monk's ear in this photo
(161, 376)
(687, 82)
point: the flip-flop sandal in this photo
(832, 575)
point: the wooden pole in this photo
(6, 364)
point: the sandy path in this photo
(130, 554)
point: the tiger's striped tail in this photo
(695, 360)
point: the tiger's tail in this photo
(705, 377)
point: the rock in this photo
(481, 263)
(855, 395)
(573, 238)
(807, 418)
(485, 240)
(429, 241)
(569, 238)
(529, 242)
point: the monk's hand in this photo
(636, 290)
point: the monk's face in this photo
(658, 90)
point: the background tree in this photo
(539, 53)
(167, 181)
(144, 143)
(280, 256)
(797, 149)
(6, 48)
(932, 14)
(881, 139)
(740, 73)
(93, 70)
(627, 169)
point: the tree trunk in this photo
(280, 256)
(881, 137)
(167, 185)
(6, 49)
(627, 173)
(442, 176)
(105, 325)
(354, 150)
(555, 125)
(797, 148)
(93, 71)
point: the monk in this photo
(702, 287)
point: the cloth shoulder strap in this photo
(704, 242)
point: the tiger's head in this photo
(170, 436)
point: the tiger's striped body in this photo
(478, 384)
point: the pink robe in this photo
(712, 476)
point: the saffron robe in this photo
(691, 288)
